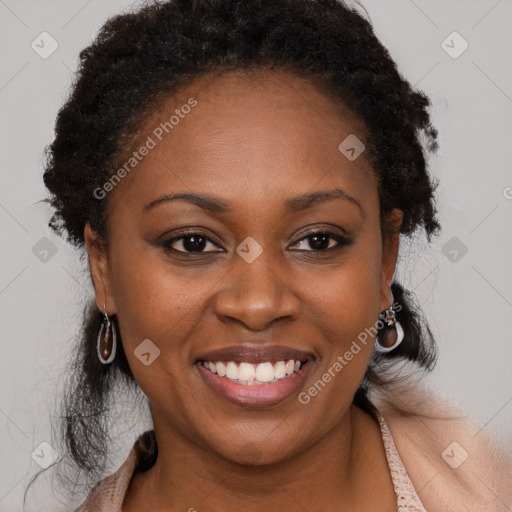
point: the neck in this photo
(335, 469)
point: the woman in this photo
(240, 174)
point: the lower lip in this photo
(259, 395)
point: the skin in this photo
(254, 141)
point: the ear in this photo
(98, 265)
(390, 245)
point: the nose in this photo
(256, 294)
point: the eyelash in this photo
(341, 241)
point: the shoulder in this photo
(108, 494)
(451, 461)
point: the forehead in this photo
(267, 133)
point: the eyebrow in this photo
(294, 205)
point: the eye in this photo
(191, 242)
(195, 242)
(323, 241)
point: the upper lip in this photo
(255, 354)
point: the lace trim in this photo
(406, 495)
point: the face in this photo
(255, 275)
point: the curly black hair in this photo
(140, 57)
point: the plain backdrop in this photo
(463, 281)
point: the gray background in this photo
(467, 297)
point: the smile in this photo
(259, 384)
(249, 374)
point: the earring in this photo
(106, 342)
(391, 334)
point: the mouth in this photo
(255, 384)
(248, 374)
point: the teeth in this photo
(280, 370)
(252, 374)
(221, 369)
(246, 371)
(232, 371)
(264, 372)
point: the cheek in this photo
(344, 309)
(152, 301)
(156, 304)
(347, 297)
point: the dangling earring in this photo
(106, 342)
(391, 335)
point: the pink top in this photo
(108, 494)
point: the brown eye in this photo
(192, 242)
(323, 241)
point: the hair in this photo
(139, 58)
